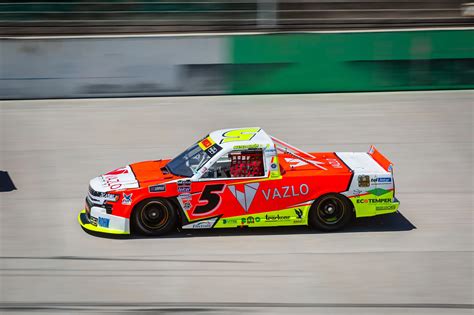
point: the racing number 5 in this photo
(211, 194)
(239, 135)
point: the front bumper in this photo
(101, 222)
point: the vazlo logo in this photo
(246, 197)
(285, 192)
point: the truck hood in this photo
(136, 175)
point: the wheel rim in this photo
(154, 215)
(330, 211)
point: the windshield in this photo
(189, 162)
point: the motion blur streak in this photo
(418, 261)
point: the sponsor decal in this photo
(381, 208)
(277, 217)
(157, 188)
(103, 222)
(299, 213)
(364, 180)
(273, 166)
(203, 224)
(285, 192)
(113, 182)
(184, 186)
(119, 178)
(250, 220)
(384, 180)
(334, 163)
(374, 200)
(127, 199)
(206, 143)
(186, 196)
(187, 205)
(295, 162)
(246, 196)
(211, 151)
(93, 220)
(229, 221)
(357, 192)
(185, 201)
(271, 151)
(246, 146)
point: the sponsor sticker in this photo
(103, 222)
(206, 143)
(364, 180)
(212, 150)
(374, 200)
(157, 188)
(127, 199)
(184, 186)
(276, 217)
(246, 146)
(229, 221)
(209, 146)
(203, 224)
(381, 208)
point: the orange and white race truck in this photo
(240, 177)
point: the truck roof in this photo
(228, 138)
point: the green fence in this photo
(343, 62)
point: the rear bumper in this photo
(104, 223)
(365, 207)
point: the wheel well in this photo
(337, 194)
(172, 201)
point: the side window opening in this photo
(247, 163)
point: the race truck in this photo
(240, 178)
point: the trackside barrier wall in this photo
(111, 66)
(108, 66)
(343, 62)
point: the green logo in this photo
(378, 191)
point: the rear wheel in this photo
(154, 217)
(331, 212)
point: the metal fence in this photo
(125, 16)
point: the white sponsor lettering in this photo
(285, 192)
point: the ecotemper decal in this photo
(373, 202)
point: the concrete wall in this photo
(236, 64)
(113, 66)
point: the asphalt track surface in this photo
(418, 261)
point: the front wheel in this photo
(154, 217)
(330, 212)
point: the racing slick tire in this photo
(331, 212)
(154, 217)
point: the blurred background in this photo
(156, 16)
(89, 86)
(150, 48)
